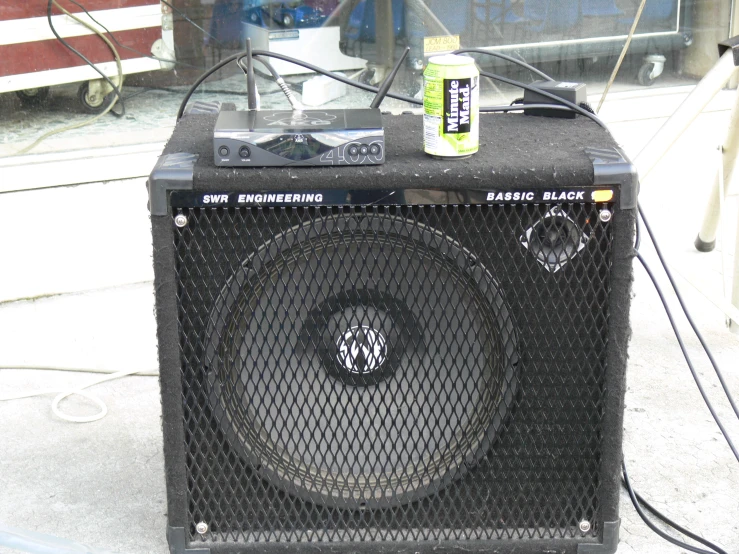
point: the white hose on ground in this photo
(38, 543)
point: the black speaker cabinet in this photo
(425, 356)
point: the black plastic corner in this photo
(178, 543)
(612, 167)
(608, 545)
(172, 172)
(730, 44)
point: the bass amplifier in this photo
(426, 356)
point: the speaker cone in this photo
(361, 360)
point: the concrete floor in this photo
(79, 258)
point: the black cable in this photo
(546, 94)
(211, 91)
(208, 90)
(336, 76)
(491, 109)
(190, 21)
(519, 102)
(586, 106)
(506, 58)
(568, 106)
(388, 81)
(657, 530)
(276, 76)
(635, 497)
(698, 334)
(251, 84)
(523, 108)
(369, 88)
(483, 109)
(84, 59)
(202, 78)
(667, 521)
(112, 37)
(233, 57)
(687, 356)
(140, 92)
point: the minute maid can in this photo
(451, 104)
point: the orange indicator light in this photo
(602, 195)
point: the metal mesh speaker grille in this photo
(365, 373)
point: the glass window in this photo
(81, 74)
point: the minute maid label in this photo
(457, 105)
(451, 126)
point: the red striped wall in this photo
(41, 55)
(21, 9)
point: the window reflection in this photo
(165, 45)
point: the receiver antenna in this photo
(251, 85)
(385, 86)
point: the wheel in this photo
(254, 18)
(644, 77)
(93, 104)
(288, 20)
(33, 97)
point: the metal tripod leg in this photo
(692, 106)
(706, 239)
(733, 323)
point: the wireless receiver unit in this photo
(260, 138)
(310, 137)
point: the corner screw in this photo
(181, 220)
(202, 527)
(584, 524)
(605, 216)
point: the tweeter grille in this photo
(361, 360)
(555, 239)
